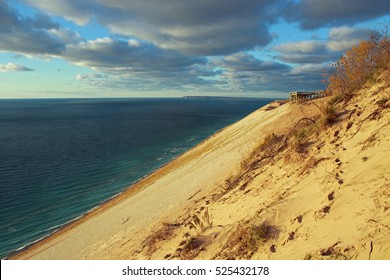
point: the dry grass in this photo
(246, 240)
(305, 132)
(332, 253)
(267, 150)
(370, 141)
(310, 164)
(299, 142)
(230, 183)
(329, 115)
(164, 233)
(335, 99)
(269, 143)
(191, 248)
(201, 222)
(268, 147)
(383, 103)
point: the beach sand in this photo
(330, 202)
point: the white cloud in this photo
(244, 62)
(301, 47)
(319, 51)
(304, 52)
(66, 36)
(344, 37)
(13, 67)
(310, 68)
(83, 77)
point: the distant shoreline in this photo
(224, 97)
(139, 98)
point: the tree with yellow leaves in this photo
(359, 63)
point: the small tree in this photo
(359, 63)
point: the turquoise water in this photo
(61, 158)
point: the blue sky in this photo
(170, 48)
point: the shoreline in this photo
(128, 192)
(137, 186)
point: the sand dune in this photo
(329, 201)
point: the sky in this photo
(173, 48)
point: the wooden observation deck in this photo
(297, 97)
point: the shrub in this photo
(359, 64)
(164, 233)
(201, 222)
(269, 142)
(247, 238)
(304, 133)
(382, 103)
(192, 248)
(330, 114)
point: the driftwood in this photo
(292, 130)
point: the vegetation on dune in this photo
(247, 238)
(364, 62)
(359, 64)
(358, 67)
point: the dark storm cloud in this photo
(312, 14)
(201, 27)
(38, 35)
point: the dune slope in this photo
(238, 196)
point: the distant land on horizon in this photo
(224, 97)
(162, 97)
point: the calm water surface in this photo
(61, 158)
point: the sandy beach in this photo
(330, 202)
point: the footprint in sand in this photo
(323, 212)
